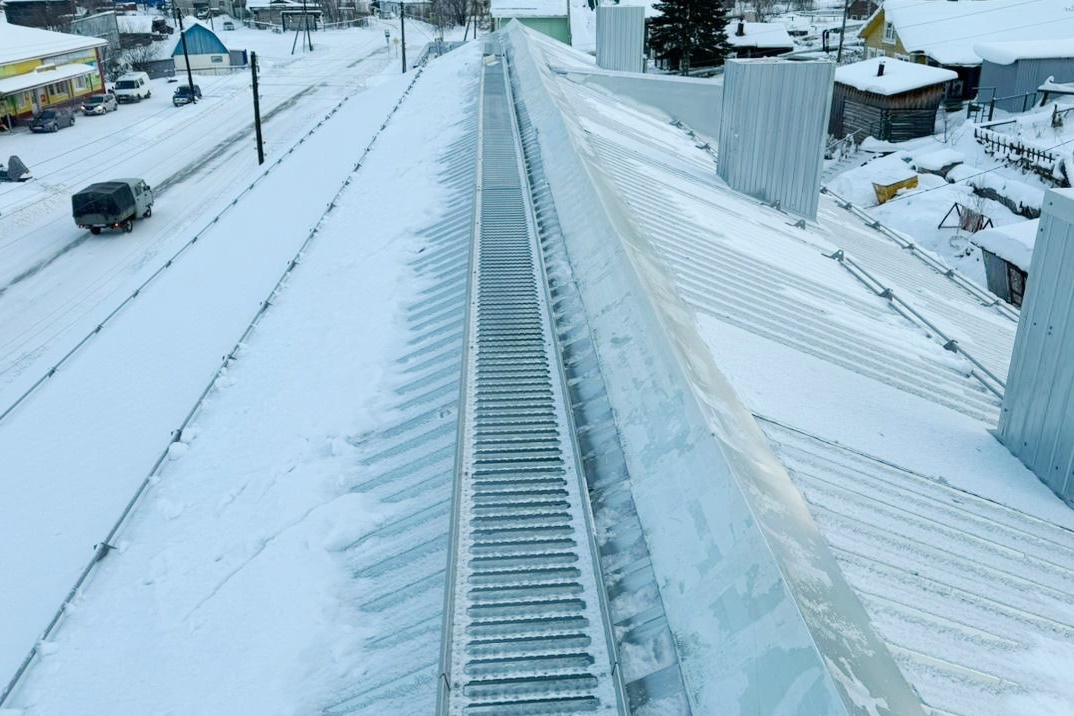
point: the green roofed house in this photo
(550, 17)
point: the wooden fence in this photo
(1042, 162)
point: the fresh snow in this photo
(1007, 53)
(898, 76)
(1013, 243)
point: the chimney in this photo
(880, 69)
(741, 31)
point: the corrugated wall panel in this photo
(621, 38)
(775, 119)
(1037, 423)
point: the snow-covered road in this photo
(74, 452)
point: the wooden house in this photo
(887, 99)
(943, 33)
(758, 39)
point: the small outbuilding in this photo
(549, 17)
(208, 54)
(1007, 252)
(887, 99)
(758, 39)
(1011, 72)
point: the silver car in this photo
(99, 104)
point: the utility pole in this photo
(842, 32)
(402, 32)
(257, 111)
(186, 55)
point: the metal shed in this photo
(887, 99)
(1037, 422)
(621, 37)
(1011, 72)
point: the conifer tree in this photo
(689, 33)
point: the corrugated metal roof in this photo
(965, 567)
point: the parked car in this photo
(99, 104)
(183, 95)
(229, 25)
(52, 119)
(133, 87)
(112, 204)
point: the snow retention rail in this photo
(986, 298)
(763, 618)
(987, 378)
(102, 549)
(525, 623)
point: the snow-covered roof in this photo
(948, 31)
(18, 43)
(1013, 243)
(758, 34)
(1006, 53)
(29, 80)
(898, 77)
(135, 24)
(528, 8)
(649, 5)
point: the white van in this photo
(133, 87)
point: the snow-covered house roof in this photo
(200, 40)
(1006, 53)
(135, 24)
(948, 31)
(1012, 243)
(762, 35)
(528, 8)
(18, 43)
(898, 76)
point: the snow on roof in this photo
(948, 31)
(898, 76)
(1013, 243)
(135, 24)
(1006, 53)
(758, 34)
(29, 80)
(649, 5)
(528, 8)
(18, 43)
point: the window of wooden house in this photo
(889, 33)
(217, 58)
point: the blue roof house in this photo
(208, 54)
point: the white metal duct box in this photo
(621, 38)
(775, 119)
